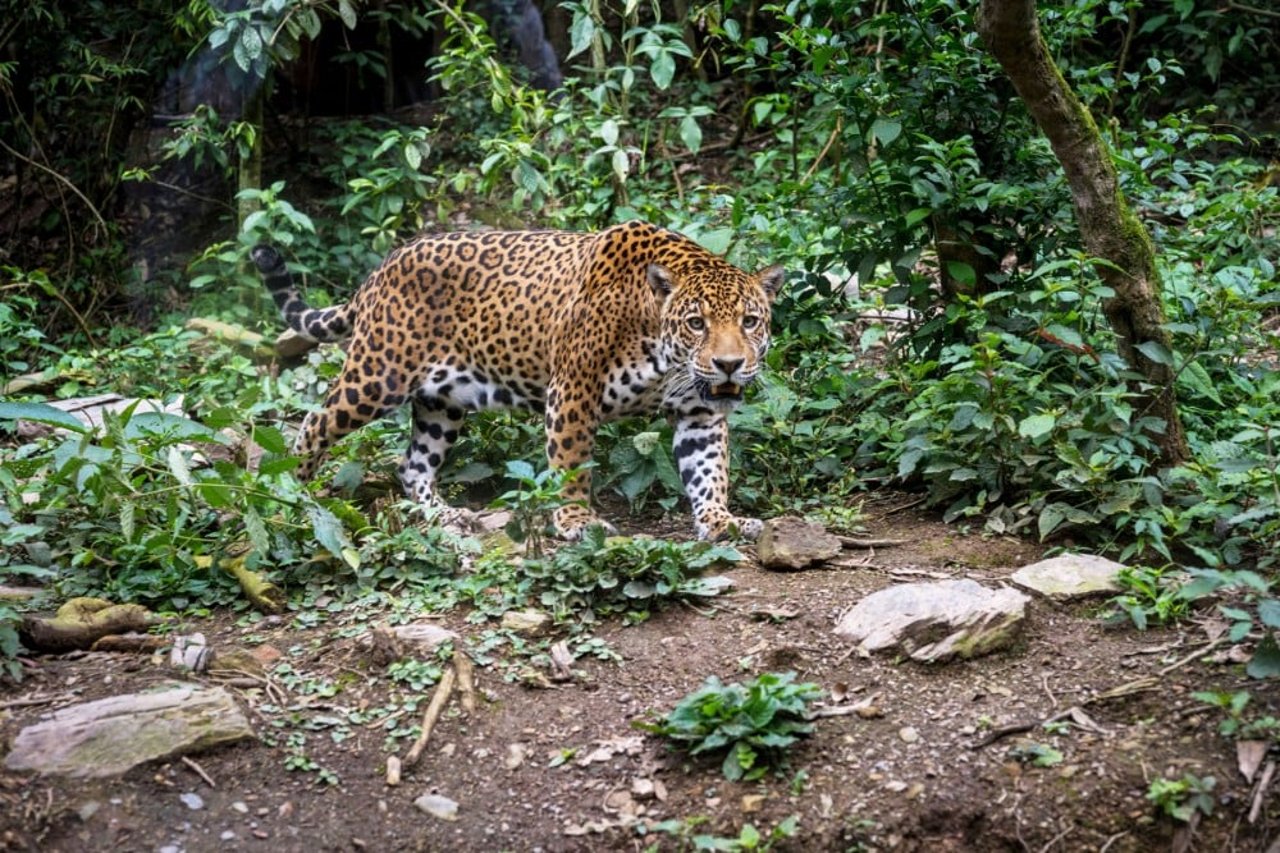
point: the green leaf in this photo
(330, 534)
(663, 69)
(962, 272)
(256, 530)
(716, 241)
(691, 134)
(581, 32)
(1265, 662)
(1155, 352)
(621, 165)
(609, 132)
(41, 413)
(1034, 426)
(270, 439)
(178, 466)
(1269, 612)
(348, 14)
(885, 130)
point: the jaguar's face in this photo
(715, 327)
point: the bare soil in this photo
(562, 768)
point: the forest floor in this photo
(562, 767)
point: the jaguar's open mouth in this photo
(724, 392)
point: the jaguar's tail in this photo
(321, 324)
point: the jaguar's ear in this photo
(771, 280)
(662, 280)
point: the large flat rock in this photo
(1070, 576)
(933, 622)
(109, 736)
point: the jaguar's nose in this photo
(728, 366)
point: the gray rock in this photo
(527, 623)
(933, 622)
(426, 636)
(109, 736)
(438, 806)
(293, 344)
(788, 544)
(192, 801)
(1070, 576)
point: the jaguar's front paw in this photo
(727, 526)
(572, 521)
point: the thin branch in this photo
(1252, 10)
(61, 179)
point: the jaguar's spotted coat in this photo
(587, 327)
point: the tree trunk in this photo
(1110, 230)
(249, 175)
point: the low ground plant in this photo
(752, 723)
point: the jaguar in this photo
(584, 327)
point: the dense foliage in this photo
(941, 330)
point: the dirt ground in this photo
(562, 768)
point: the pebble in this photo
(240, 807)
(228, 835)
(192, 801)
(908, 734)
(438, 806)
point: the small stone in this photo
(426, 636)
(192, 801)
(228, 835)
(293, 344)
(788, 544)
(526, 623)
(752, 803)
(437, 806)
(240, 807)
(895, 786)
(267, 654)
(908, 734)
(516, 753)
(87, 810)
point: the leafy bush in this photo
(10, 668)
(753, 723)
(603, 575)
(1182, 798)
(137, 519)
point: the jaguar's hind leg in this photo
(436, 424)
(353, 402)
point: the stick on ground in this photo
(438, 700)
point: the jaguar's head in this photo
(715, 325)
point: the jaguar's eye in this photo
(696, 323)
(750, 321)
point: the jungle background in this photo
(945, 333)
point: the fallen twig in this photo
(900, 508)
(851, 542)
(198, 770)
(1199, 653)
(1127, 689)
(466, 680)
(34, 700)
(1260, 792)
(438, 700)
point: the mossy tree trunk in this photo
(1110, 230)
(249, 175)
